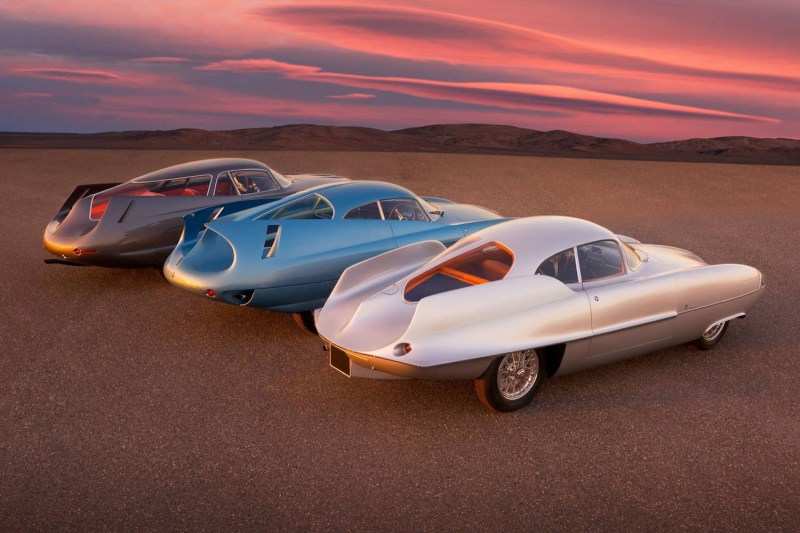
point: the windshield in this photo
(634, 261)
(431, 209)
(312, 206)
(281, 179)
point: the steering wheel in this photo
(402, 212)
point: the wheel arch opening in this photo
(552, 357)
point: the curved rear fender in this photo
(363, 279)
(499, 317)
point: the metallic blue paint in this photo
(228, 255)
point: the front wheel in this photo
(712, 335)
(511, 381)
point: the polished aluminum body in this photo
(141, 230)
(667, 297)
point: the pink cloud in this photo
(424, 34)
(522, 96)
(72, 75)
(161, 59)
(351, 96)
(261, 65)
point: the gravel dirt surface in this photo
(129, 404)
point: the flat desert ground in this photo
(129, 404)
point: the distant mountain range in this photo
(454, 138)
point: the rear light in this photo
(78, 251)
(98, 208)
(211, 293)
(402, 349)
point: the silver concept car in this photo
(138, 223)
(525, 300)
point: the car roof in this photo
(534, 239)
(347, 195)
(343, 195)
(203, 166)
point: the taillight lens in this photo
(99, 206)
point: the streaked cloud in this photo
(647, 71)
(520, 96)
(423, 34)
(351, 96)
(161, 59)
(72, 75)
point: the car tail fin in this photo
(80, 192)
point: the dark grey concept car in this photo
(139, 222)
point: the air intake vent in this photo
(272, 240)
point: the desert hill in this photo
(455, 138)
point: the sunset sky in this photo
(646, 71)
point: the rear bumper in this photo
(361, 365)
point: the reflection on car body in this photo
(523, 300)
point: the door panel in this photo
(628, 314)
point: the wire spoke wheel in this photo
(517, 374)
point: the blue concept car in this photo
(287, 255)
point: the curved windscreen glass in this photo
(252, 181)
(308, 207)
(490, 262)
(600, 259)
(634, 261)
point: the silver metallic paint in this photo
(672, 298)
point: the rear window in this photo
(191, 186)
(490, 262)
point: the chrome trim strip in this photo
(635, 323)
(721, 301)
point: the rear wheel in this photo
(306, 321)
(511, 381)
(712, 335)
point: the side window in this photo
(403, 209)
(194, 186)
(197, 186)
(171, 187)
(600, 259)
(365, 212)
(561, 266)
(224, 186)
(252, 181)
